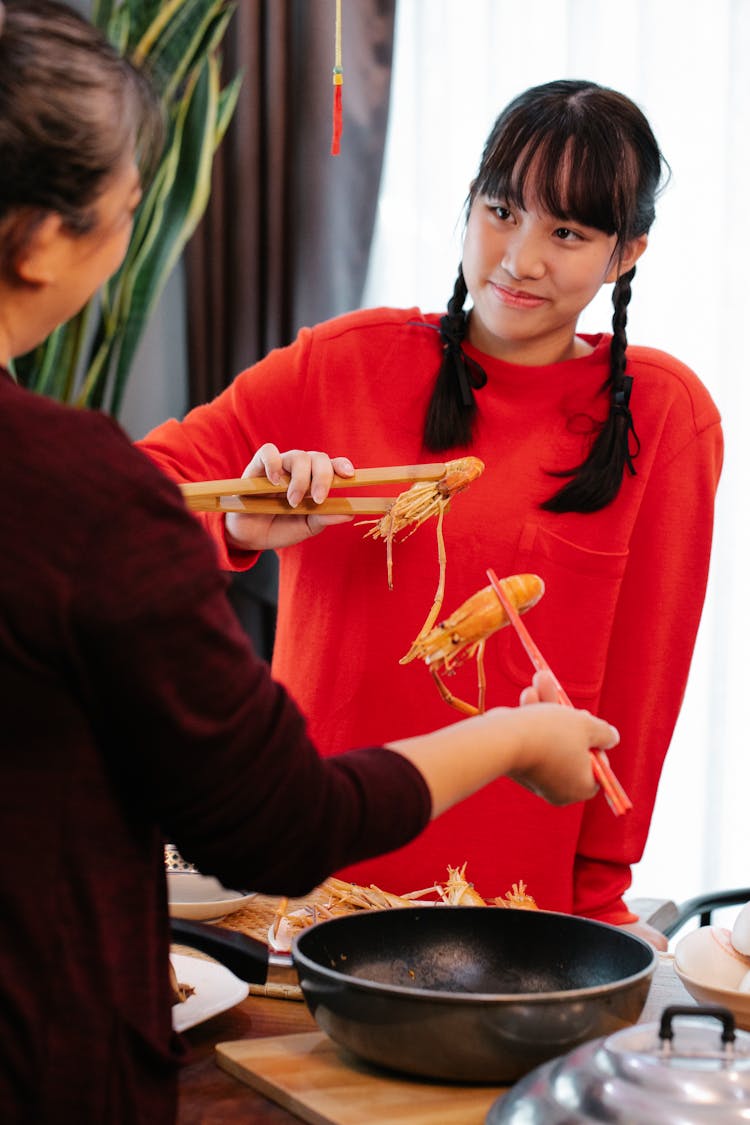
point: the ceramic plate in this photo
(201, 897)
(216, 990)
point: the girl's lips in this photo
(517, 298)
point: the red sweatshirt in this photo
(624, 586)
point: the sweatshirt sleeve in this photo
(199, 734)
(217, 441)
(664, 587)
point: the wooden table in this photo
(210, 1096)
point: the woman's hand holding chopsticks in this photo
(305, 473)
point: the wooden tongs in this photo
(617, 798)
(257, 495)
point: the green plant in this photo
(86, 361)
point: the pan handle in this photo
(247, 958)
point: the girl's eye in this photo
(565, 234)
(502, 212)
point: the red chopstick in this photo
(617, 798)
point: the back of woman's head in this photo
(584, 153)
(72, 110)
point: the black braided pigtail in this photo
(628, 444)
(597, 480)
(452, 408)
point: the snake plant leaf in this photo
(72, 346)
(143, 13)
(50, 369)
(169, 50)
(196, 40)
(118, 29)
(227, 104)
(101, 12)
(117, 292)
(177, 42)
(44, 362)
(182, 211)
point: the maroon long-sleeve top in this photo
(134, 711)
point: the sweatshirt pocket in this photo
(572, 623)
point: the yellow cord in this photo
(337, 69)
(338, 82)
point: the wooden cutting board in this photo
(323, 1085)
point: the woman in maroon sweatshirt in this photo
(133, 708)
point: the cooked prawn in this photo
(463, 635)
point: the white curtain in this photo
(457, 63)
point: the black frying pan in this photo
(460, 993)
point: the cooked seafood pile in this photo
(336, 897)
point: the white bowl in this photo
(201, 897)
(738, 1003)
(711, 972)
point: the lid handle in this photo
(666, 1032)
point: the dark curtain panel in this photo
(286, 237)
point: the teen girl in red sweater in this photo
(602, 461)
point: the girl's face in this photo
(530, 275)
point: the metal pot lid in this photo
(672, 1073)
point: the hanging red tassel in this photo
(338, 82)
(337, 114)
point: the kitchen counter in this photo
(210, 1096)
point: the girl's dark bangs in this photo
(564, 173)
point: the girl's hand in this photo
(308, 471)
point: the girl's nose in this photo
(523, 257)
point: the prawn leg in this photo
(389, 558)
(416, 505)
(452, 700)
(481, 678)
(437, 603)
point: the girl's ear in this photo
(39, 259)
(625, 261)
